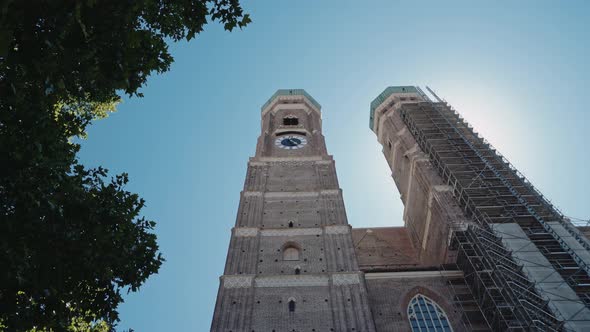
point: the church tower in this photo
(520, 263)
(291, 263)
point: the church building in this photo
(480, 250)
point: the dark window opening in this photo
(290, 121)
(292, 306)
(291, 133)
(297, 271)
(290, 224)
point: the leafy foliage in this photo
(71, 239)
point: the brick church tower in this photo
(518, 263)
(480, 250)
(291, 264)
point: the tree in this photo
(71, 239)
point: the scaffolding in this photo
(491, 191)
(462, 299)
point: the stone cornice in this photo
(412, 274)
(297, 95)
(291, 231)
(292, 194)
(263, 161)
(310, 280)
(292, 281)
(387, 95)
(254, 231)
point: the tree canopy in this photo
(71, 238)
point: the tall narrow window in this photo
(291, 305)
(291, 253)
(427, 316)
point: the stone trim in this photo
(338, 279)
(330, 192)
(346, 279)
(291, 232)
(253, 193)
(266, 160)
(415, 148)
(253, 231)
(291, 281)
(401, 131)
(237, 281)
(285, 194)
(412, 274)
(245, 231)
(274, 103)
(290, 107)
(340, 229)
(293, 161)
(281, 194)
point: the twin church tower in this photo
(481, 249)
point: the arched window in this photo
(290, 253)
(291, 304)
(427, 316)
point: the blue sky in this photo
(518, 71)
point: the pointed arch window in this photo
(291, 304)
(425, 315)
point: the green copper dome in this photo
(385, 94)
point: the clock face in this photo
(291, 142)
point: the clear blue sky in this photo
(518, 71)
